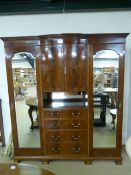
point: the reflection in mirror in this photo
(105, 76)
(25, 94)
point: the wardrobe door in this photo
(24, 79)
(76, 67)
(106, 77)
(53, 67)
(107, 98)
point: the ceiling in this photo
(61, 6)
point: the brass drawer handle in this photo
(56, 138)
(55, 114)
(76, 149)
(76, 138)
(56, 125)
(75, 125)
(56, 148)
(75, 114)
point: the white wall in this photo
(4, 93)
(98, 22)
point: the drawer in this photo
(66, 149)
(74, 113)
(66, 136)
(66, 113)
(52, 113)
(66, 124)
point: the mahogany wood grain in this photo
(53, 68)
(71, 135)
(76, 67)
(66, 149)
(65, 124)
(64, 62)
(74, 113)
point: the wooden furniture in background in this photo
(113, 112)
(33, 106)
(64, 63)
(11, 169)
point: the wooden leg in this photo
(30, 110)
(46, 162)
(16, 161)
(118, 162)
(113, 121)
(88, 162)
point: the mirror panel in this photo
(26, 103)
(65, 99)
(105, 98)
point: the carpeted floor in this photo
(78, 167)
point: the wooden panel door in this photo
(53, 68)
(76, 67)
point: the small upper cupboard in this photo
(66, 96)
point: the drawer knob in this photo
(75, 125)
(56, 148)
(76, 149)
(55, 114)
(56, 138)
(75, 114)
(76, 138)
(56, 125)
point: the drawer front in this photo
(66, 149)
(66, 136)
(75, 113)
(52, 113)
(66, 124)
(69, 113)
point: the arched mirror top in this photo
(35, 51)
(105, 54)
(26, 58)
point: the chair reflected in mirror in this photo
(113, 113)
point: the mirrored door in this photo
(26, 101)
(105, 98)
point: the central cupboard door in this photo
(64, 66)
(53, 67)
(76, 67)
